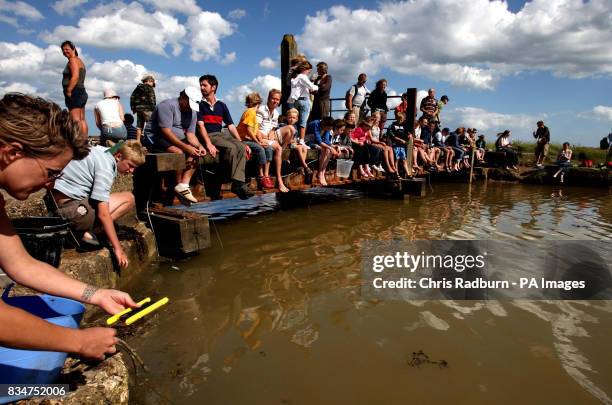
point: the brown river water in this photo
(272, 313)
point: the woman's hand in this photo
(122, 258)
(94, 343)
(112, 301)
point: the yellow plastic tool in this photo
(146, 311)
(116, 317)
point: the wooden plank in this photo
(179, 233)
(165, 162)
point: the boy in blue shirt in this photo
(319, 135)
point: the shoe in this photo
(184, 193)
(260, 182)
(268, 183)
(89, 243)
(241, 190)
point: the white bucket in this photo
(343, 167)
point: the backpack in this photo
(347, 95)
(604, 143)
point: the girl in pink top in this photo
(362, 142)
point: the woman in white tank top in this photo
(109, 118)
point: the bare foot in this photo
(322, 180)
(282, 188)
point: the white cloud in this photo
(234, 97)
(600, 112)
(18, 9)
(473, 43)
(17, 87)
(228, 58)
(206, 29)
(67, 7)
(188, 7)
(28, 68)
(236, 14)
(490, 123)
(138, 29)
(268, 63)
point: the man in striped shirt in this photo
(211, 117)
(83, 192)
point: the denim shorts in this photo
(114, 134)
(303, 107)
(78, 99)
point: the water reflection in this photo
(280, 302)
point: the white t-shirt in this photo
(108, 109)
(375, 133)
(301, 86)
(267, 119)
(417, 132)
(358, 98)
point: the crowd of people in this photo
(196, 123)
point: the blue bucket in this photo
(31, 366)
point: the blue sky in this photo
(503, 65)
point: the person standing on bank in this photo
(38, 138)
(109, 117)
(211, 117)
(321, 104)
(73, 84)
(542, 136)
(142, 100)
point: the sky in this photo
(503, 65)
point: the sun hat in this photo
(110, 93)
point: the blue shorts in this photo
(400, 152)
(77, 99)
(303, 107)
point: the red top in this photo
(360, 135)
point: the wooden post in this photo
(289, 51)
(411, 96)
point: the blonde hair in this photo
(252, 99)
(292, 111)
(42, 128)
(131, 150)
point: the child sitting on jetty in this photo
(318, 135)
(365, 153)
(563, 161)
(341, 139)
(83, 193)
(388, 157)
(248, 129)
(301, 151)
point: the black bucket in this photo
(43, 237)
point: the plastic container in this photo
(343, 167)
(43, 237)
(31, 366)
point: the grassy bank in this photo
(595, 154)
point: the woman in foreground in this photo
(37, 139)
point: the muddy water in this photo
(272, 314)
